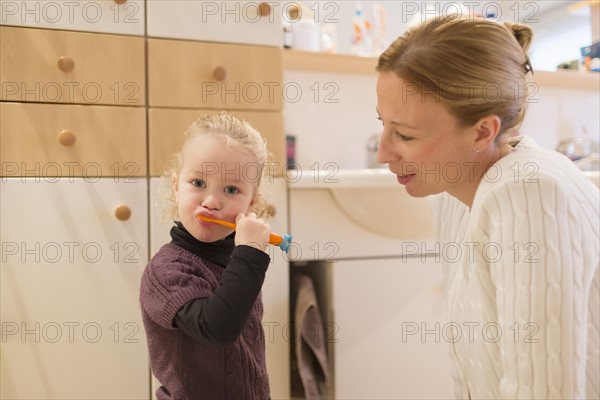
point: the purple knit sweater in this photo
(188, 369)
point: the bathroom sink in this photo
(374, 200)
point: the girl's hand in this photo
(252, 231)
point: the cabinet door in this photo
(51, 66)
(72, 140)
(167, 126)
(210, 75)
(388, 330)
(110, 16)
(222, 21)
(275, 295)
(72, 256)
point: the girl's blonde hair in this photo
(475, 67)
(237, 135)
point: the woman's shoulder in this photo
(532, 176)
(531, 167)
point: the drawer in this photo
(71, 67)
(248, 22)
(209, 75)
(72, 140)
(167, 126)
(109, 16)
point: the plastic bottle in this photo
(362, 43)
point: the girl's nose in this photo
(211, 202)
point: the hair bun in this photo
(523, 34)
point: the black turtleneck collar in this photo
(218, 252)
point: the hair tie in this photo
(527, 66)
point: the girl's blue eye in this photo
(231, 190)
(199, 183)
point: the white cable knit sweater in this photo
(522, 275)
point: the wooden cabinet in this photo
(249, 22)
(166, 128)
(74, 213)
(71, 67)
(72, 255)
(109, 16)
(72, 140)
(78, 143)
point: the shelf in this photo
(567, 79)
(349, 64)
(325, 62)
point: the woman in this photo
(522, 222)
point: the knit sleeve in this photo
(220, 319)
(535, 253)
(168, 284)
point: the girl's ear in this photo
(175, 184)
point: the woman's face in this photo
(214, 181)
(422, 143)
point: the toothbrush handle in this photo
(277, 240)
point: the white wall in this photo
(336, 128)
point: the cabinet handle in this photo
(293, 12)
(123, 213)
(220, 73)
(66, 64)
(264, 9)
(120, 1)
(270, 210)
(67, 138)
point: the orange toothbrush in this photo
(277, 240)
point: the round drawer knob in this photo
(294, 12)
(120, 1)
(220, 73)
(270, 210)
(66, 64)
(67, 138)
(264, 9)
(123, 213)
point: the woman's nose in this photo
(386, 152)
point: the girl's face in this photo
(422, 143)
(214, 181)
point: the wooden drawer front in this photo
(107, 69)
(212, 21)
(110, 16)
(167, 127)
(182, 74)
(72, 140)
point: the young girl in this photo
(200, 293)
(523, 289)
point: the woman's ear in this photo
(487, 129)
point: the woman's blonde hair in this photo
(475, 67)
(237, 135)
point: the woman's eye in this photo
(231, 190)
(199, 183)
(403, 137)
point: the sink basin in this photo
(374, 200)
